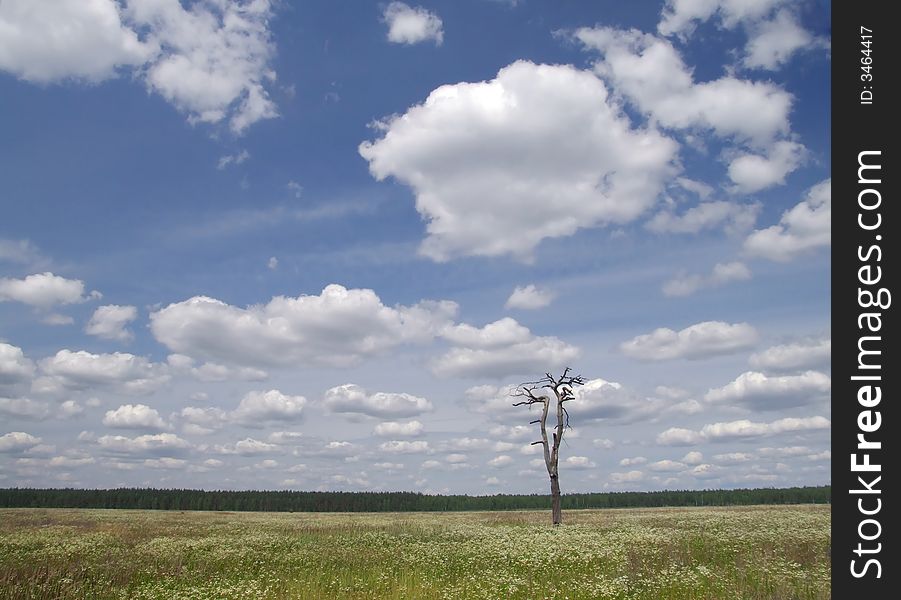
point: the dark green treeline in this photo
(290, 501)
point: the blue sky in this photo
(310, 245)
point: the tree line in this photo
(296, 501)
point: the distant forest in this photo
(291, 501)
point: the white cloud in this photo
(215, 58)
(44, 290)
(408, 25)
(514, 432)
(742, 429)
(733, 458)
(397, 429)
(627, 477)
(701, 340)
(499, 349)
(160, 444)
(538, 152)
(758, 391)
(350, 398)
(15, 367)
(247, 447)
(123, 371)
(752, 172)
(404, 447)
(108, 322)
(693, 458)
(272, 263)
(773, 42)
(722, 273)
(43, 42)
(633, 461)
(134, 416)
(17, 441)
(499, 462)
(337, 328)
(681, 16)
(25, 408)
(604, 444)
(166, 462)
(259, 407)
(22, 252)
(232, 159)
(208, 371)
(649, 71)
(529, 298)
(732, 216)
(610, 401)
(666, 466)
(210, 60)
(57, 319)
(578, 463)
(794, 356)
(801, 230)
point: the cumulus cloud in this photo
(404, 447)
(260, 407)
(793, 356)
(15, 367)
(737, 430)
(772, 42)
(17, 441)
(160, 444)
(122, 371)
(627, 477)
(610, 401)
(210, 60)
(579, 462)
(109, 322)
(44, 290)
(633, 461)
(752, 172)
(397, 429)
(501, 461)
(246, 447)
(693, 458)
(649, 71)
(79, 39)
(801, 230)
(499, 349)
(732, 216)
(134, 416)
(722, 273)
(209, 371)
(701, 340)
(338, 328)
(25, 408)
(758, 391)
(666, 466)
(351, 398)
(408, 25)
(529, 298)
(538, 152)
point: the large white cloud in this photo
(611, 402)
(737, 430)
(649, 71)
(793, 356)
(44, 290)
(350, 398)
(260, 407)
(701, 340)
(758, 391)
(160, 444)
(339, 327)
(16, 441)
(408, 25)
(15, 367)
(538, 152)
(500, 349)
(753, 172)
(109, 322)
(80, 39)
(773, 42)
(801, 230)
(123, 371)
(211, 60)
(134, 416)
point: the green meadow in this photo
(757, 552)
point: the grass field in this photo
(763, 552)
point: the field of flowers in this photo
(772, 552)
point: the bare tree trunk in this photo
(556, 509)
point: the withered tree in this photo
(532, 393)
